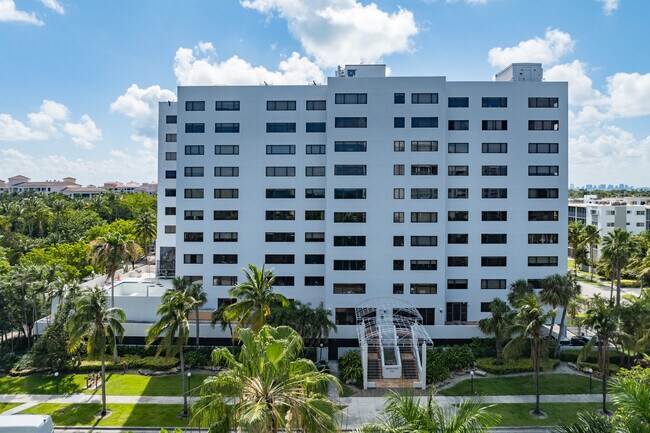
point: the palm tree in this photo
(591, 239)
(145, 230)
(602, 318)
(499, 325)
(528, 324)
(552, 294)
(574, 307)
(255, 298)
(97, 325)
(576, 238)
(518, 290)
(617, 248)
(588, 422)
(404, 413)
(570, 291)
(173, 329)
(267, 388)
(195, 290)
(632, 396)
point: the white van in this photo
(26, 424)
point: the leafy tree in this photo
(145, 229)
(631, 393)
(498, 324)
(617, 248)
(588, 422)
(518, 290)
(576, 241)
(313, 324)
(126, 228)
(553, 294)
(195, 290)
(591, 240)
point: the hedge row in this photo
(571, 355)
(523, 365)
(133, 362)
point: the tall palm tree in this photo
(552, 294)
(173, 329)
(591, 239)
(255, 297)
(498, 324)
(617, 249)
(528, 324)
(632, 396)
(97, 325)
(570, 291)
(576, 241)
(267, 388)
(518, 290)
(195, 290)
(145, 230)
(404, 413)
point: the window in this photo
(424, 288)
(349, 217)
(398, 241)
(398, 288)
(280, 171)
(280, 149)
(398, 169)
(543, 147)
(399, 122)
(315, 237)
(543, 215)
(424, 265)
(495, 147)
(279, 237)
(281, 127)
(494, 170)
(493, 284)
(194, 193)
(226, 215)
(494, 193)
(543, 192)
(543, 102)
(193, 215)
(457, 284)
(458, 125)
(170, 138)
(398, 98)
(171, 119)
(456, 311)
(349, 289)
(194, 128)
(494, 125)
(457, 215)
(315, 193)
(315, 127)
(170, 192)
(226, 128)
(457, 261)
(224, 259)
(316, 105)
(194, 105)
(491, 261)
(225, 237)
(314, 259)
(543, 125)
(350, 122)
(193, 259)
(170, 211)
(226, 193)
(428, 316)
(280, 215)
(350, 146)
(542, 238)
(314, 215)
(398, 265)
(349, 241)
(424, 98)
(170, 229)
(349, 265)
(458, 148)
(457, 238)
(345, 316)
(494, 215)
(284, 281)
(543, 170)
(226, 106)
(458, 170)
(424, 193)
(349, 193)
(398, 146)
(424, 241)
(492, 102)
(458, 102)
(542, 261)
(315, 149)
(494, 238)
(424, 170)
(226, 150)
(222, 280)
(226, 171)
(457, 193)
(351, 98)
(280, 193)
(424, 122)
(349, 170)
(398, 217)
(486, 307)
(170, 174)
(170, 156)
(314, 281)
(280, 105)
(279, 259)
(424, 146)
(424, 217)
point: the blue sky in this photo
(80, 81)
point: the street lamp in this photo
(591, 372)
(56, 375)
(320, 354)
(471, 373)
(189, 387)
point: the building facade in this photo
(435, 192)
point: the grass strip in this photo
(518, 414)
(7, 406)
(550, 383)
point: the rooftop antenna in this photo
(266, 84)
(314, 81)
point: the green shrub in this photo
(24, 362)
(571, 355)
(613, 368)
(139, 350)
(523, 365)
(198, 357)
(443, 360)
(133, 362)
(8, 360)
(629, 284)
(351, 369)
(483, 347)
(437, 370)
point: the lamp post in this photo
(56, 375)
(471, 373)
(591, 372)
(320, 353)
(189, 384)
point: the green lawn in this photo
(116, 384)
(550, 383)
(515, 415)
(7, 406)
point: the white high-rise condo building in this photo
(412, 190)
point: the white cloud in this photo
(147, 141)
(343, 31)
(548, 50)
(205, 47)
(8, 12)
(43, 124)
(581, 90)
(629, 94)
(141, 104)
(192, 69)
(83, 133)
(15, 130)
(54, 5)
(609, 6)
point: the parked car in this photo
(26, 424)
(579, 341)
